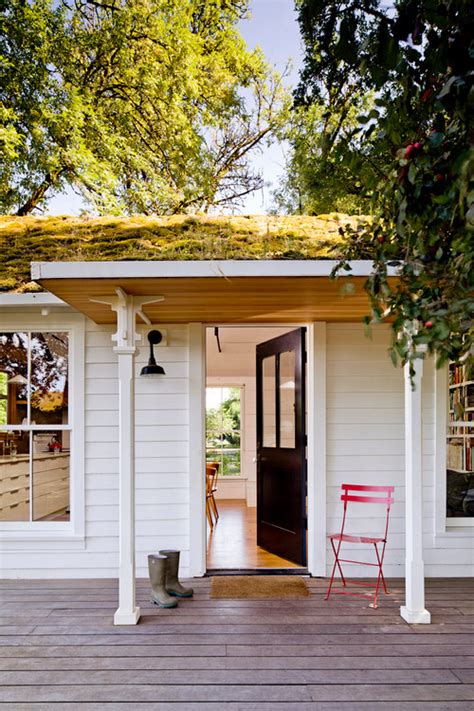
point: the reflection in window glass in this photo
(14, 476)
(51, 476)
(460, 442)
(223, 423)
(34, 394)
(49, 366)
(3, 397)
(269, 401)
(287, 399)
(14, 368)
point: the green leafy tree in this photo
(317, 179)
(416, 156)
(138, 104)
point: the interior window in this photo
(223, 428)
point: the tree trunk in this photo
(39, 192)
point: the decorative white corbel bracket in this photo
(127, 308)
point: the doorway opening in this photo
(255, 449)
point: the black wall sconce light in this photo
(153, 369)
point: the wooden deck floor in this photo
(59, 650)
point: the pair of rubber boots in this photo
(165, 586)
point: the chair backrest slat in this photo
(368, 499)
(364, 487)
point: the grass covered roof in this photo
(181, 237)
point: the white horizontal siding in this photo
(365, 418)
(162, 464)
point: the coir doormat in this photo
(241, 587)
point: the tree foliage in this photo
(317, 179)
(416, 156)
(139, 104)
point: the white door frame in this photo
(316, 450)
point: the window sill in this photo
(231, 478)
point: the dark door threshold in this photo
(256, 571)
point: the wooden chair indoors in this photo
(212, 469)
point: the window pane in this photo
(460, 442)
(14, 369)
(223, 406)
(49, 378)
(287, 399)
(14, 477)
(231, 463)
(3, 397)
(269, 401)
(51, 476)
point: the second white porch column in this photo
(128, 613)
(414, 609)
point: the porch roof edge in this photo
(193, 268)
(40, 299)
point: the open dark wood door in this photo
(281, 446)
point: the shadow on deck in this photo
(59, 649)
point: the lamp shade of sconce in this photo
(152, 369)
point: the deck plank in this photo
(60, 650)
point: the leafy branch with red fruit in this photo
(418, 59)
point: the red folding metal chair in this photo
(358, 497)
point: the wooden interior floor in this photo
(59, 650)
(233, 541)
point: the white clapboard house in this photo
(101, 465)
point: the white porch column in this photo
(128, 613)
(414, 609)
(127, 308)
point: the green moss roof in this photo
(27, 239)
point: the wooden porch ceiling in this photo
(223, 299)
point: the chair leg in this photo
(214, 506)
(380, 577)
(380, 562)
(336, 564)
(209, 516)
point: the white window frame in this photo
(219, 382)
(74, 529)
(445, 527)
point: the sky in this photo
(274, 28)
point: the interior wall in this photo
(235, 365)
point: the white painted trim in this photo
(73, 530)
(127, 613)
(42, 299)
(193, 268)
(441, 423)
(414, 609)
(197, 450)
(421, 617)
(444, 527)
(127, 618)
(316, 407)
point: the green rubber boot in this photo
(157, 565)
(173, 586)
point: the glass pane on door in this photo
(287, 399)
(269, 401)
